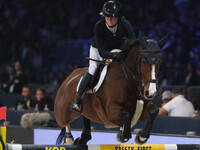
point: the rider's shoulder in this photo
(125, 23)
(124, 20)
(99, 24)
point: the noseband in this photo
(153, 57)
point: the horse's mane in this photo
(128, 45)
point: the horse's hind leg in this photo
(125, 133)
(68, 136)
(86, 134)
(143, 136)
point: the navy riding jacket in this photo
(105, 41)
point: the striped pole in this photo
(3, 129)
(105, 147)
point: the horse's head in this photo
(149, 63)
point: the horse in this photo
(129, 80)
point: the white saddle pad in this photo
(98, 85)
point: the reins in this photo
(141, 85)
(99, 61)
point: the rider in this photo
(109, 33)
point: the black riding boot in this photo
(77, 104)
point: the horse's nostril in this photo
(151, 96)
(147, 93)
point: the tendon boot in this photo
(77, 104)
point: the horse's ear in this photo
(142, 40)
(163, 41)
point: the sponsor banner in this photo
(133, 147)
(3, 114)
(2, 138)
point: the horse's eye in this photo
(144, 62)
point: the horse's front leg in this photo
(143, 135)
(86, 134)
(125, 133)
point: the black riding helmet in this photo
(111, 9)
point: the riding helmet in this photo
(111, 9)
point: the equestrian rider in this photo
(109, 33)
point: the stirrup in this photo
(75, 107)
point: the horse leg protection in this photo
(125, 134)
(127, 122)
(86, 134)
(153, 112)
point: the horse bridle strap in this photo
(135, 77)
(150, 51)
(140, 74)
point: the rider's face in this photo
(111, 21)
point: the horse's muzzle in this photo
(148, 95)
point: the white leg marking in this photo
(152, 86)
(142, 139)
(68, 129)
(68, 140)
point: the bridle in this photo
(139, 77)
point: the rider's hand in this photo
(117, 57)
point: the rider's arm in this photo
(167, 108)
(98, 35)
(162, 111)
(130, 34)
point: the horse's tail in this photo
(61, 136)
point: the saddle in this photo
(99, 74)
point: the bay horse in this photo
(128, 80)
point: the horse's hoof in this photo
(140, 140)
(68, 140)
(77, 141)
(120, 137)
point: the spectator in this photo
(166, 97)
(16, 79)
(196, 104)
(19, 80)
(179, 106)
(192, 77)
(43, 101)
(25, 102)
(7, 85)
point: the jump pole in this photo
(105, 147)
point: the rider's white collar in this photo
(112, 29)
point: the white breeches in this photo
(94, 54)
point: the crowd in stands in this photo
(42, 102)
(31, 29)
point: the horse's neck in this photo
(132, 58)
